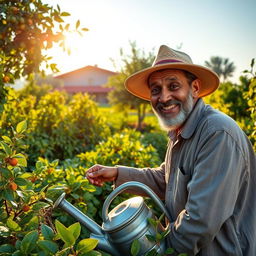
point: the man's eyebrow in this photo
(152, 84)
(173, 78)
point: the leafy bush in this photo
(122, 148)
(26, 226)
(58, 128)
(158, 140)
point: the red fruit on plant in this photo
(50, 170)
(25, 208)
(6, 79)
(13, 161)
(13, 186)
(33, 179)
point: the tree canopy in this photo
(222, 66)
(133, 62)
(27, 28)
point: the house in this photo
(89, 79)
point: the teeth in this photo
(169, 107)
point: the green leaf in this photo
(74, 195)
(135, 248)
(58, 19)
(8, 195)
(21, 127)
(92, 253)
(47, 232)
(65, 14)
(28, 243)
(86, 245)
(19, 156)
(17, 253)
(22, 162)
(75, 229)
(158, 237)
(7, 248)
(48, 246)
(6, 148)
(166, 232)
(6, 173)
(152, 253)
(39, 205)
(33, 223)
(25, 175)
(39, 165)
(151, 238)
(21, 182)
(169, 251)
(55, 163)
(252, 62)
(7, 139)
(64, 234)
(77, 24)
(152, 222)
(13, 225)
(17, 244)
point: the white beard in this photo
(170, 124)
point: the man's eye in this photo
(174, 87)
(155, 90)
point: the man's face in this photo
(172, 98)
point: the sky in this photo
(201, 28)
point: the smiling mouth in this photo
(167, 108)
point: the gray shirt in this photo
(208, 182)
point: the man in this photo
(208, 179)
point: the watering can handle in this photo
(128, 185)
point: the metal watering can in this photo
(122, 225)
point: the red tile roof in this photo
(88, 89)
(86, 68)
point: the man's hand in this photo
(98, 174)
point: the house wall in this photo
(82, 78)
(89, 79)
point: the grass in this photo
(119, 119)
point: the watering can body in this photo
(127, 222)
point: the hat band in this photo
(166, 61)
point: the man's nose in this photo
(165, 95)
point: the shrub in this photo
(58, 128)
(26, 226)
(158, 140)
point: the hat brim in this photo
(137, 84)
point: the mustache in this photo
(161, 105)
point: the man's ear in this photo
(196, 85)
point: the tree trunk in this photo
(141, 116)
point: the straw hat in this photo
(168, 58)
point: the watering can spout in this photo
(78, 215)
(97, 232)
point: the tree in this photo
(222, 66)
(119, 97)
(27, 28)
(238, 101)
(250, 96)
